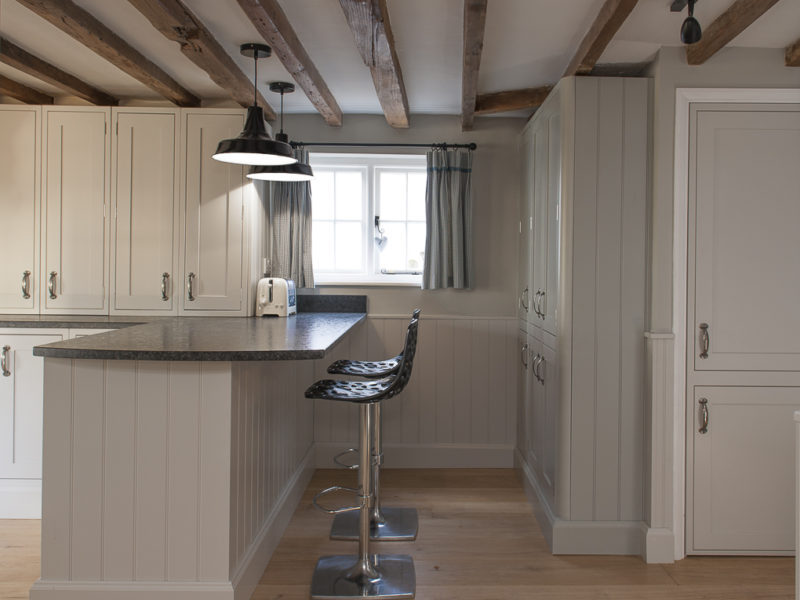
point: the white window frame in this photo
(370, 276)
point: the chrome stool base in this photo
(399, 525)
(397, 579)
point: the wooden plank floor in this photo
(478, 541)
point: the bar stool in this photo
(386, 524)
(365, 575)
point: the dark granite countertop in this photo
(66, 321)
(304, 336)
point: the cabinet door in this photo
(549, 301)
(746, 190)
(214, 228)
(21, 406)
(76, 182)
(522, 392)
(144, 199)
(541, 168)
(743, 480)
(19, 208)
(525, 247)
(548, 380)
(535, 415)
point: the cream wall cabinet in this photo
(21, 377)
(20, 170)
(76, 183)
(583, 442)
(145, 231)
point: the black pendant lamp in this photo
(690, 30)
(294, 172)
(254, 146)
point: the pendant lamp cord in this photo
(281, 111)
(255, 79)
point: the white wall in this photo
(495, 188)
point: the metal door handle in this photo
(704, 415)
(705, 340)
(542, 364)
(189, 285)
(524, 299)
(4, 361)
(524, 355)
(26, 285)
(164, 279)
(51, 285)
(536, 302)
(536, 362)
(541, 304)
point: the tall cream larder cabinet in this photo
(582, 307)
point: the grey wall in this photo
(731, 67)
(495, 188)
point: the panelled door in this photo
(550, 300)
(541, 149)
(214, 229)
(76, 182)
(145, 202)
(526, 227)
(743, 327)
(747, 278)
(20, 129)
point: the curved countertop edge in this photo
(301, 337)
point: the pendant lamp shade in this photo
(691, 32)
(295, 172)
(254, 146)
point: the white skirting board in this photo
(428, 456)
(581, 537)
(20, 498)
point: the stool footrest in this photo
(344, 464)
(336, 511)
(399, 525)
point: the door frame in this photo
(684, 98)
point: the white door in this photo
(144, 199)
(548, 379)
(744, 448)
(214, 229)
(525, 247)
(746, 170)
(535, 413)
(549, 299)
(76, 182)
(522, 391)
(20, 130)
(21, 378)
(540, 189)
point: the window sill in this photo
(399, 282)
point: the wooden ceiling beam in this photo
(474, 26)
(793, 55)
(739, 16)
(610, 18)
(177, 23)
(496, 102)
(270, 21)
(16, 57)
(369, 22)
(81, 25)
(23, 93)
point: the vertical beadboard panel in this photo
(584, 273)
(426, 368)
(150, 515)
(87, 470)
(444, 381)
(183, 469)
(484, 397)
(119, 472)
(57, 469)
(394, 332)
(500, 393)
(633, 302)
(659, 429)
(464, 379)
(608, 294)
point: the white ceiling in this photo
(527, 43)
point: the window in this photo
(368, 218)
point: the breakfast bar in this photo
(175, 453)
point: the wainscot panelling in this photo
(459, 408)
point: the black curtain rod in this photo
(471, 146)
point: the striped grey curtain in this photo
(448, 209)
(291, 229)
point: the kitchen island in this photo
(175, 453)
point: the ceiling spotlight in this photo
(690, 30)
(254, 146)
(295, 172)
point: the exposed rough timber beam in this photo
(511, 100)
(793, 55)
(81, 25)
(474, 25)
(179, 24)
(9, 87)
(725, 27)
(369, 22)
(16, 57)
(610, 18)
(269, 19)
